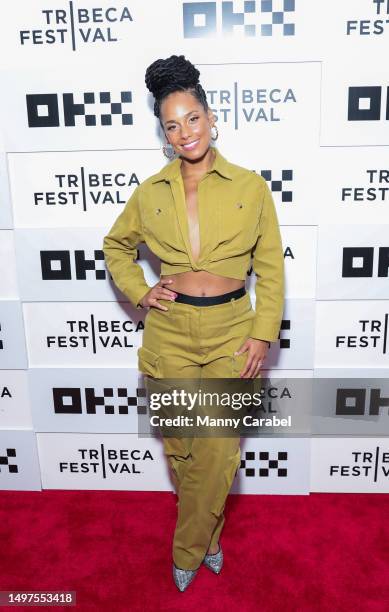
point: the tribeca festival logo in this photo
(374, 188)
(234, 104)
(95, 334)
(264, 464)
(74, 26)
(45, 110)
(106, 462)
(7, 462)
(86, 189)
(375, 25)
(364, 103)
(364, 464)
(74, 400)
(365, 262)
(258, 18)
(370, 333)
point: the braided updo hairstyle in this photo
(164, 76)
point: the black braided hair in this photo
(164, 76)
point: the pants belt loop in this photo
(233, 306)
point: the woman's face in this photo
(186, 124)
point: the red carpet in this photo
(325, 552)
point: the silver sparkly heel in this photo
(214, 562)
(183, 577)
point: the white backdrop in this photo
(301, 94)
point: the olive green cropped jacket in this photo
(237, 223)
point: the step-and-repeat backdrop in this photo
(300, 90)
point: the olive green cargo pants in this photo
(195, 342)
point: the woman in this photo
(204, 217)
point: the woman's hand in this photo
(156, 293)
(257, 351)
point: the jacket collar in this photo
(172, 170)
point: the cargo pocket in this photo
(148, 362)
(225, 483)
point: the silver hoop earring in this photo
(168, 150)
(212, 134)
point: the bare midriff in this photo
(202, 283)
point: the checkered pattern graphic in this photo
(139, 401)
(284, 342)
(104, 97)
(4, 461)
(281, 185)
(266, 464)
(277, 11)
(83, 263)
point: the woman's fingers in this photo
(155, 304)
(164, 291)
(251, 370)
(170, 295)
(258, 368)
(252, 367)
(165, 281)
(245, 369)
(160, 292)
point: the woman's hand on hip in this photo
(158, 292)
(256, 355)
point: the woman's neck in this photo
(197, 168)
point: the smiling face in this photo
(186, 124)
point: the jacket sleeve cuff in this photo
(137, 293)
(267, 330)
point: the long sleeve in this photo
(268, 265)
(120, 250)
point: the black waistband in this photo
(209, 300)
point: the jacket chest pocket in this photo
(160, 221)
(238, 223)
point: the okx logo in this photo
(112, 400)
(365, 262)
(258, 18)
(365, 103)
(57, 265)
(44, 110)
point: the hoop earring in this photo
(168, 150)
(217, 132)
